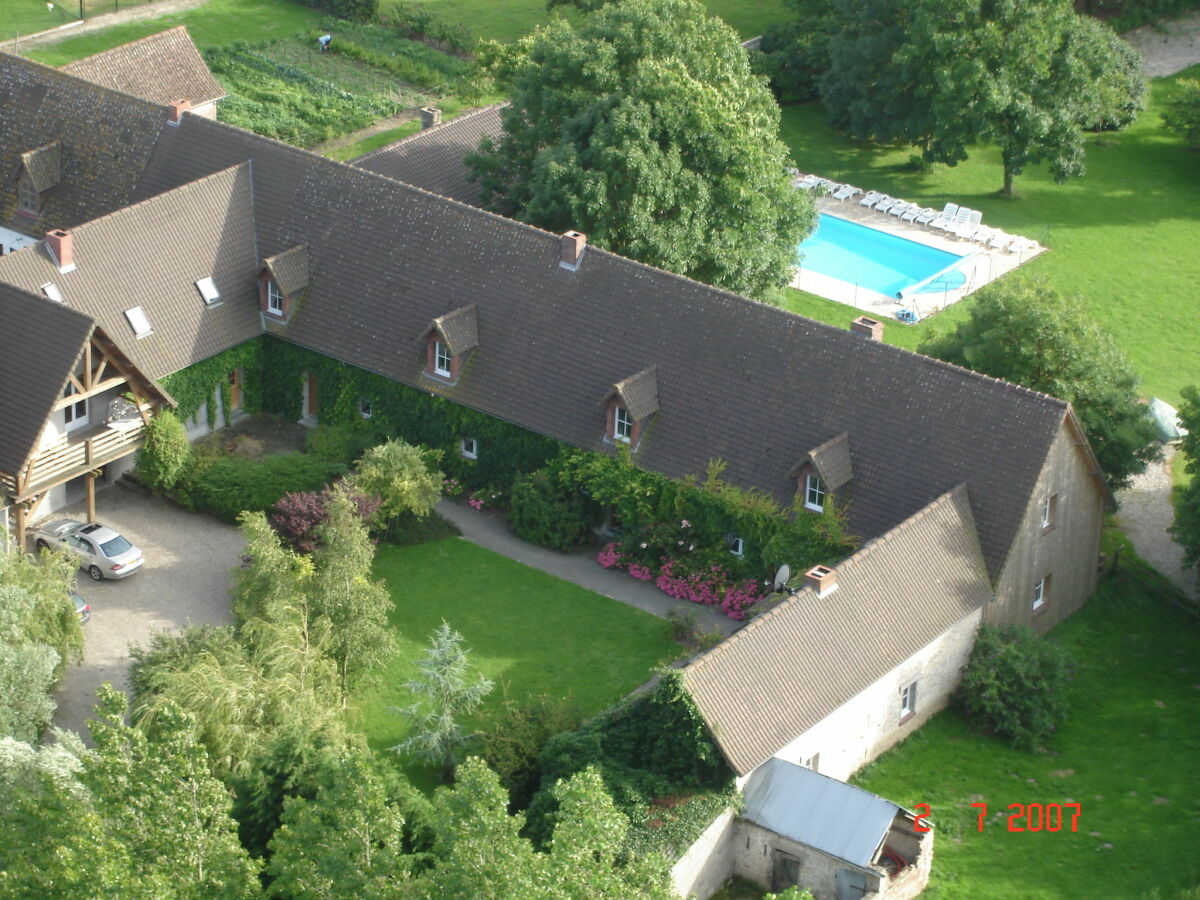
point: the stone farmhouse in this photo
(141, 239)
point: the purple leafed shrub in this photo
(298, 515)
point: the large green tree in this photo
(645, 128)
(26, 669)
(1028, 333)
(1186, 529)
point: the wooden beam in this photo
(99, 373)
(107, 384)
(87, 365)
(90, 481)
(75, 381)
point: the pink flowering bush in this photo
(640, 572)
(609, 557)
(451, 487)
(484, 498)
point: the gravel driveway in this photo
(185, 581)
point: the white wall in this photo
(708, 863)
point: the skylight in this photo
(208, 291)
(138, 322)
(50, 289)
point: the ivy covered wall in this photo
(197, 385)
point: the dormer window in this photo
(622, 425)
(29, 201)
(274, 298)
(629, 405)
(442, 360)
(40, 171)
(814, 493)
(283, 279)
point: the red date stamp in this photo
(1021, 817)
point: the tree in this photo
(444, 695)
(401, 475)
(356, 607)
(1114, 67)
(1186, 529)
(646, 129)
(1181, 113)
(52, 619)
(1028, 333)
(165, 453)
(26, 669)
(1014, 684)
(158, 798)
(351, 838)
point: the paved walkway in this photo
(580, 568)
(1145, 512)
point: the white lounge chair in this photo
(870, 199)
(846, 191)
(807, 183)
(901, 207)
(946, 217)
(1021, 245)
(885, 203)
(924, 216)
(963, 230)
(959, 220)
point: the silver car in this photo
(102, 551)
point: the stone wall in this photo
(756, 854)
(708, 863)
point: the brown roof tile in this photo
(832, 461)
(40, 342)
(289, 270)
(43, 166)
(433, 159)
(459, 329)
(151, 255)
(160, 68)
(785, 671)
(639, 393)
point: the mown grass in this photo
(1123, 236)
(537, 633)
(20, 17)
(1130, 755)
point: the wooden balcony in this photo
(77, 453)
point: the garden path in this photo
(1167, 47)
(1145, 512)
(580, 568)
(95, 23)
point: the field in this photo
(1123, 236)
(529, 630)
(1130, 756)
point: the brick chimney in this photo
(430, 116)
(823, 578)
(176, 109)
(868, 327)
(573, 245)
(62, 248)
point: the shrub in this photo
(1182, 112)
(341, 444)
(514, 741)
(407, 529)
(165, 453)
(547, 514)
(1014, 684)
(298, 515)
(403, 476)
(232, 484)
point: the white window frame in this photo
(908, 700)
(28, 199)
(208, 291)
(274, 298)
(468, 448)
(364, 407)
(443, 360)
(812, 762)
(1039, 594)
(139, 322)
(737, 546)
(622, 425)
(76, 414)
(50, 289)
(814, 489)
(1048, 511)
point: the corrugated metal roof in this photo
(814, 809)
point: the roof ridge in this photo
(91, 85)
(457, 120)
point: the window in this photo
(364, 408)
(812, 762)
(138, 322)
(814, 493)
(1049, 508)
(50, 289)
(908, 701)
(622, 424)
(29, 201)
(1039, 593)
(208, 290)
(442, 360)
(75, 414)
(737, 547)
(469, 448)
(274, 298)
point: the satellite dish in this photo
(783, 576)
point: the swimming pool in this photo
(876, 260)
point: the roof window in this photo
(138, 322)
(208, 290)
(50, 289)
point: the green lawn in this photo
(1130, 755)
(1124, 236)
(537, 633)
(19, 17)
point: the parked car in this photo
(81, 607)
(101, 551)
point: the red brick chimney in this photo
(430, 116)
(573, 244)
(62, 247)
(823, 578)
(176, 109)
(868, 327)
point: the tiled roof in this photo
(160, 68)
(43, 165)
(151, 255)
(433, 159)
(459, 329)
(639, 393)
(106, 139)
(40, 342)
(832, 461)
(786, 670)
(289, 270)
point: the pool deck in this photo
(987, 265)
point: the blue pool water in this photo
(873, 259)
